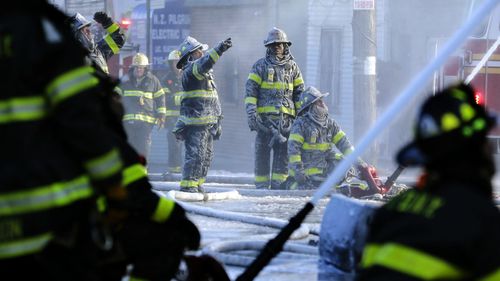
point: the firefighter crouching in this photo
(144, 102)
(311, 143)
(100, 52)
(172, 86)
(200, 117)
(64, 164)
(272, 90)
(447, 227)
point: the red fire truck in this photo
(478, 63)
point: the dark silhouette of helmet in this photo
(308, 97)
(78, 21)
(450, 123)
(188, 46)
(276, 35)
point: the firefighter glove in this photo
(160, 122)
(225, 45)
(301, 177)
(252, 122)
(103, 19)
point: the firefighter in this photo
(100, 52)
(63, 164)
(144, 102)
(199, 123)
(272, 90)
(447, 227)
(172, 86)
(312, 139)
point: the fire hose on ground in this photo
(300, 233)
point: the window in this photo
(329, 77)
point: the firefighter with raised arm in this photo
(200, 117)
(100, 52)
(144, 102)
(312, 140)
(272, 90)
(172, 86)
(447, 227)
(62, 194)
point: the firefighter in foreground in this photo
(144, 102)
(100, 52)
(200, 117)
(311, 143)
(172, 86)
(272, 90)
(447, 227)
(62, 193)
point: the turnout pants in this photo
(139, 136)
(198, 142)
(174, 148)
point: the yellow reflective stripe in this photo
(178, 98)
(296, 137)
(259, 179)
(166, 90)
(214, 55)
(118, 90)
(140, 117)
(291, 172)
(201, 181)
(196, 73)
(449, 122)
(25, 246)
(313, 171)
(136, 93)
(467, 112)
(45, 197)
(22, 109)
(298, 81)
(495, 276)
(199, 94)
(163, 210)
(273, 109)
(409, 261)
(159, 93)
(133, 173)
(279, 177)
(172, 113)
(277, 85)
(105, 165)
(161, 110)
(250, 100)
(111, 43)
(255, 77)
(316, 146)
(338, 137)
(298, 104)
(199, 120)
(295, 158)
(112, 28)
(189, 183)
(339, 156)
(71, 83)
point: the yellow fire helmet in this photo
(140, 59)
